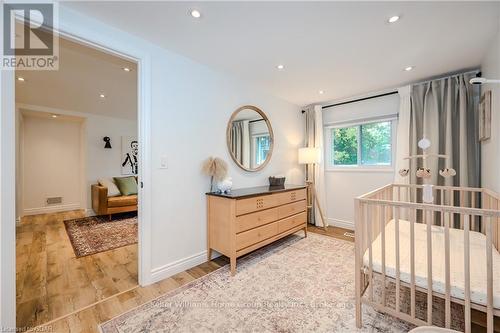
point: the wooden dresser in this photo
(247, 219)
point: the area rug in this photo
(91, 235)
(295, 285)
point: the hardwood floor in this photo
(51, 282)
(336, 232)
(88, 319)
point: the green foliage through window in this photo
(345, 146)
(376, 144)
(367, 144)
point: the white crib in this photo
(448, 249)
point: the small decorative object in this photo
(277, 181)
(130, 155)
(423, 173)
(107, 139)
(447, 172)
(424, 143)
(404, 172)
(225, 185)
(216, 168)
(485, 116)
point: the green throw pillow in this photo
(126, 185)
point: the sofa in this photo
(104, 205)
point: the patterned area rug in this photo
(295, 285)
(91, 235)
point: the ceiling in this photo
(342, 48)
(84, 73)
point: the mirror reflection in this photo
(250, 138)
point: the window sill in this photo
(350, 169)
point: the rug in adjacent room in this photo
(295, 285)
(94, 234)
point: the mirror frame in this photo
(271, 137)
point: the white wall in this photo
(342, 186)
(490, 164)
(99, 162)
(190, 107)
(52, 165)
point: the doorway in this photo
(77, 231)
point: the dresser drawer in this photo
(256, 235)
(291, 209)
(253, 220)
(291, 196)
(291, 222)
(254, 204)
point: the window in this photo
(363, 145)
(262, 143)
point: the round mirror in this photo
(250, 138)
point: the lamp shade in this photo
(309, 155)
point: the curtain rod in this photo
(359, 99)
(477, 71)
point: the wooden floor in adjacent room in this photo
(88, 319)
(51, 282)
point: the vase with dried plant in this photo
(216, 168)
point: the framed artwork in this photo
(130, 155)
(485, 116)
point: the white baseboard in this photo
(165, 271)
(50, 209)
(341, 223)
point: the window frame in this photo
(359, 167)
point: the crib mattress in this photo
(477, 263)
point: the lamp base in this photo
(312, 189)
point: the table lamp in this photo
(311, 156)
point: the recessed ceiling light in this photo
(102, 95)
(20, 78)
(393, 19)
(126, 69)
(280, 67)
(54, 116)
(409, 68)
(195, 13)
(321, 92)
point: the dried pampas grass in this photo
(216, 168)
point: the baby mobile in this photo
(424, 172)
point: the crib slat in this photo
(412, 262)
(489, 276)
(429, 266)
(447, 311)
(382, 229)
(369, 218)
(396, 235)
(467, 304)
(462, 204)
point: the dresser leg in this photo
(233, 265)
(209, 254)
(305, 232)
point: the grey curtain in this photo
(309, 142)
(445, 111)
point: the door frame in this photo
(95, 39)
